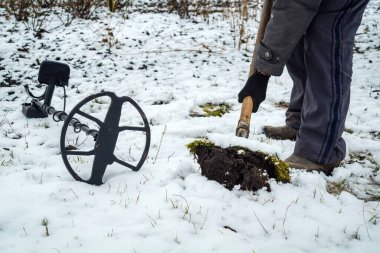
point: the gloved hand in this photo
(255, 87)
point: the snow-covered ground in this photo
(170, 67)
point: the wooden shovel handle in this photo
(112, 5)
(242, 129)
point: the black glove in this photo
(256, 87)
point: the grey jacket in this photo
(289, 22)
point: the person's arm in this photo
(290, 20)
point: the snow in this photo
(169, 66)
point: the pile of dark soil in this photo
(238, 166)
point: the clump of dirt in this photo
(234, 166)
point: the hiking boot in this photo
(281, 133)
(298, 162)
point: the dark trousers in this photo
(321, 69)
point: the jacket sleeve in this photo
(289, 21)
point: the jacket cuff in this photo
(268, 62)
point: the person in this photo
(315, 40)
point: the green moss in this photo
(282, 169)
(212, 110)
(216, 110)
(193, 146)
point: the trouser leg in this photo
(328, 59)
(297, 71)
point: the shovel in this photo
(242, 129)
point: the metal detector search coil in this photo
(57, 74)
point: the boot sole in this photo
(326, 169)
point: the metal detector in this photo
(105, 137)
